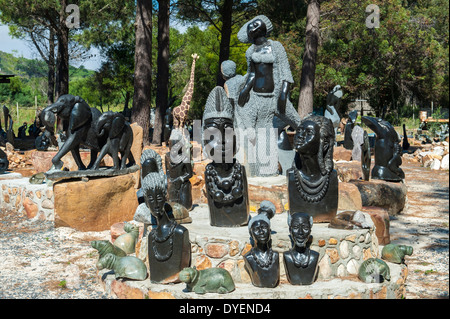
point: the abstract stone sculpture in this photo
(312, 181)
(78, 120)
(348, 129)
(350, 220)
(179, 170)
(265, 93)
(106, 247)
(225, 177)
(4, 163)
(396, 253)
(120, 139)
(169, 248)
(333, 102)
(374, 270)
(300, 263)
(405, 143)
(128, 267)
(38, 178)
(366, 157)
(388, 150)
(261, 262)
(209, 280)
(127, 242)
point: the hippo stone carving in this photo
(105, 247)
(215, 280)
(374, 270)
(128, 267)
(396, 253)
(127, 241)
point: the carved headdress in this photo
(242, 34)
(218, 105)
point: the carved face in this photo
(300, 229)
(260, 231)
(307, 138)
(256, 29)
(155, 199)
(219, 139)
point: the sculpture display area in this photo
(265, 93)
(312, 181)
(388, 151)
(225, 177)
(301, 263)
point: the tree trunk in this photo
(162, 77)
(225, 37)
(143, 68)
(62, 77)
(306, 98)
(51, 68)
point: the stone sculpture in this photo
(286, 153)
(225, 177)
(312, 181)
(169, 248)
(120, 139)
(265, 93)
(4, 163)
(106, 247)
(22, 130)
(127, 242)
(333, 102)
(388, 151)
(267, 208)
(300, 262)
(350, 220)
(261, 262)
(168, 124)
(348, 129)
(396, 253)
(209, 280)
(180, 113)
(374, 270)
(78, 120)
(128, 267)
(366, 157)
(38, 178)
(405, 143)
(233, 82)
(179, 170)
(8, 125)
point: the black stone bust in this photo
(300, 262)
(179, 170)
(388, 151)
(312, 181)
(261, 262)
(225, 177)
(169, 248)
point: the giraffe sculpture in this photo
(181, 111)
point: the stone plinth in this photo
(388, 195)
(96, 204)
(341, 254)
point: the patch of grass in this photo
(63, 284)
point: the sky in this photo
(26, 49)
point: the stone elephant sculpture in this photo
(78, 122)
(119, 139)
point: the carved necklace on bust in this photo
(266, 262)
(224, 190)
(156, 239)
(311, 192)
(300, 263)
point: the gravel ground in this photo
(38, 261)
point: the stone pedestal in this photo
(96, 204)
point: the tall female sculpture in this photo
(300, 263)
(169, 248)
(225, 177)
(312, 181)
(266, 89)
(261, 262)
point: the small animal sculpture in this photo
(105, 247)
(349, 220)
(128, 267)
(38, 178)
(215, 280)
(374, 270)
(127, 241)
(396, 253)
